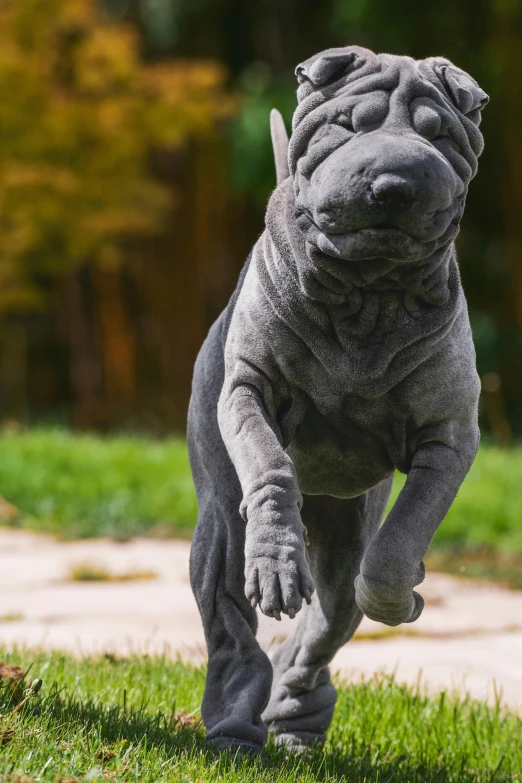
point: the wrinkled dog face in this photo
(382, 151)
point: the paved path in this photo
(469, 636)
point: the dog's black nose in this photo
(393, 191)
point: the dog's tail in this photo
(279, 144)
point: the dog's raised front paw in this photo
(277, 578)
(386, 606)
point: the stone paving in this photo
(469, 637)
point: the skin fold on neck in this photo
(368, 299)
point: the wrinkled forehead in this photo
(344, 75)
(355, 72)
(359, 90)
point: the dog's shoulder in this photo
(229, 309)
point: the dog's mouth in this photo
(381, 227)
(376, 240)
(381, 230)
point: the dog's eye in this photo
(446, 142)
(319, 135)
(325, 141)
(442, 134)
(329, 132)
(445, 136)
(344, 121)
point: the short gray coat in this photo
(345, 354)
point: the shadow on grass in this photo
(330, 764)
(171, 731)
(172, 734)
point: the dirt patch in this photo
(11, 676)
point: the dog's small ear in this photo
(320, 69)
(463, 90)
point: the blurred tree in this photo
(79, 119)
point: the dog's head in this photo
(382, 152)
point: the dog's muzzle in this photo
(380, 195)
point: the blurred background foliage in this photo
(79, 118)
(135, 168)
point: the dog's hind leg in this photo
(303, 698)
(239, 673)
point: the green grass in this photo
(79, 486)
(126, 720)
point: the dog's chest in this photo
(346, 422)
(346, 448)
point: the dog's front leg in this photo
(277, 577)
(393, 563)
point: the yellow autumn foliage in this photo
(79, 116)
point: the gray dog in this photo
(344, 354)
